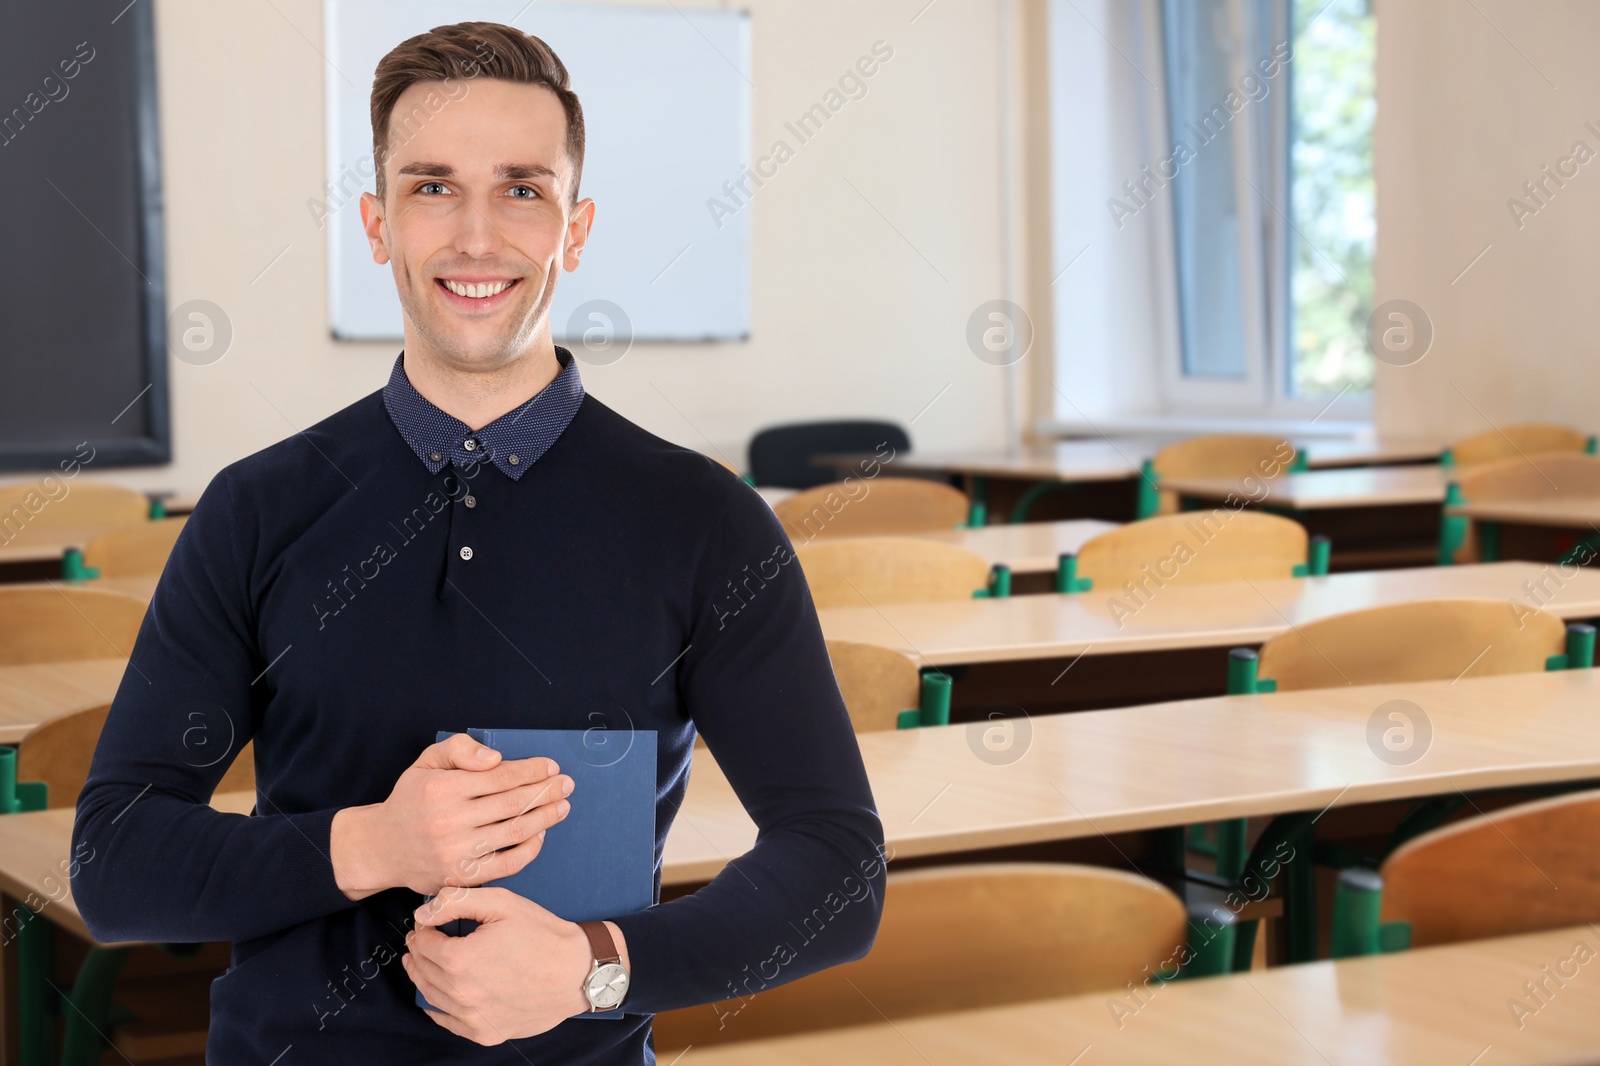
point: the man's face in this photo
(475, 218)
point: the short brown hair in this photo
(469, 50)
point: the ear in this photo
(372, 222)
(578, 227)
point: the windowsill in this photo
(1193, 425)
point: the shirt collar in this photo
(513, 442)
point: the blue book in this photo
(599, 861)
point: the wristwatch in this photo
(607, 983)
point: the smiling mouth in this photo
(482, 291)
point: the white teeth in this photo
(479, 291)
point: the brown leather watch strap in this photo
(601, 943)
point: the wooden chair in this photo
(86, 503)
(871, 571)
(1522, 869)
(64, 623)
(1230, 455)
(1513, 442)
(1426, 640)
(135, 550)
(958, 937)
(877, 683)
(1194, 547)
(885, 505)
(59, 752)
(1533, 477)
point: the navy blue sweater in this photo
(317, 603)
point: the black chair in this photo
(780, 456)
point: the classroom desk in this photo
(1220, 614)
(40, 692)
(1105, 772)
(1580, 513)
(773, 494)
(1312, 490)
(35, 544)
(1432, 1005)
(1027, 548)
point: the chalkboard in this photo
(666, 102)
(82, 290)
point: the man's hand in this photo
(519, 974)
(446, 821)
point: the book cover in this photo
(599, 861)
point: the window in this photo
(1269, 112)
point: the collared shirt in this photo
(513, 442)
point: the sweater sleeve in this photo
(156, 861)
(757, 681)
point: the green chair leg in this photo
(1318, 551)
(1357, 930)
(1149, 493)
(1592, 445)
(1242, 680)
(1452, 527)
(72, 568)
(935, 708)
(1580, 649)
(89, 1006)
(1489, 542)
(36, 1000)
(1244, 945)
(978, 509)
(1000, 581)
(1211, 939)
(158, 507)
(1067, 579)
(1300, 899)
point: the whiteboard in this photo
(666, 105)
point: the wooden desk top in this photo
(35, 544)
(40, 692)
(1433, 1005)
(1365, 486)
(1578, 513)
(1104, 772)
(1179, 616)
(1116, 459)
(1027, 547)
(774, 495)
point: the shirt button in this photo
(466, 552)
(471, 501)
(436, 457)
(469, 444)
(512, 459)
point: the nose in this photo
(477, 236)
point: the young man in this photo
(478, 543)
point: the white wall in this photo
(1472, 104)
(870, 248)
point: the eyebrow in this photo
(509, 171)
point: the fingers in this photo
(458, 752)
(500, 864)
(521, 801)
(510, 774)
(479, 904)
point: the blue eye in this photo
(525, 188)
(430, 185)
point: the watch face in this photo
(606, 986)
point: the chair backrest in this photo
(877, 683)
(1219, 544)
(1426, 640)
(781, 455)
(872, 571)
(134, 551)
(871, 508)
(1512, 442)
(59, 753)
(86, 503)
(1517, 870)
(1535, 477)
(43, 624)
(1230, 455)
(960, 937)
